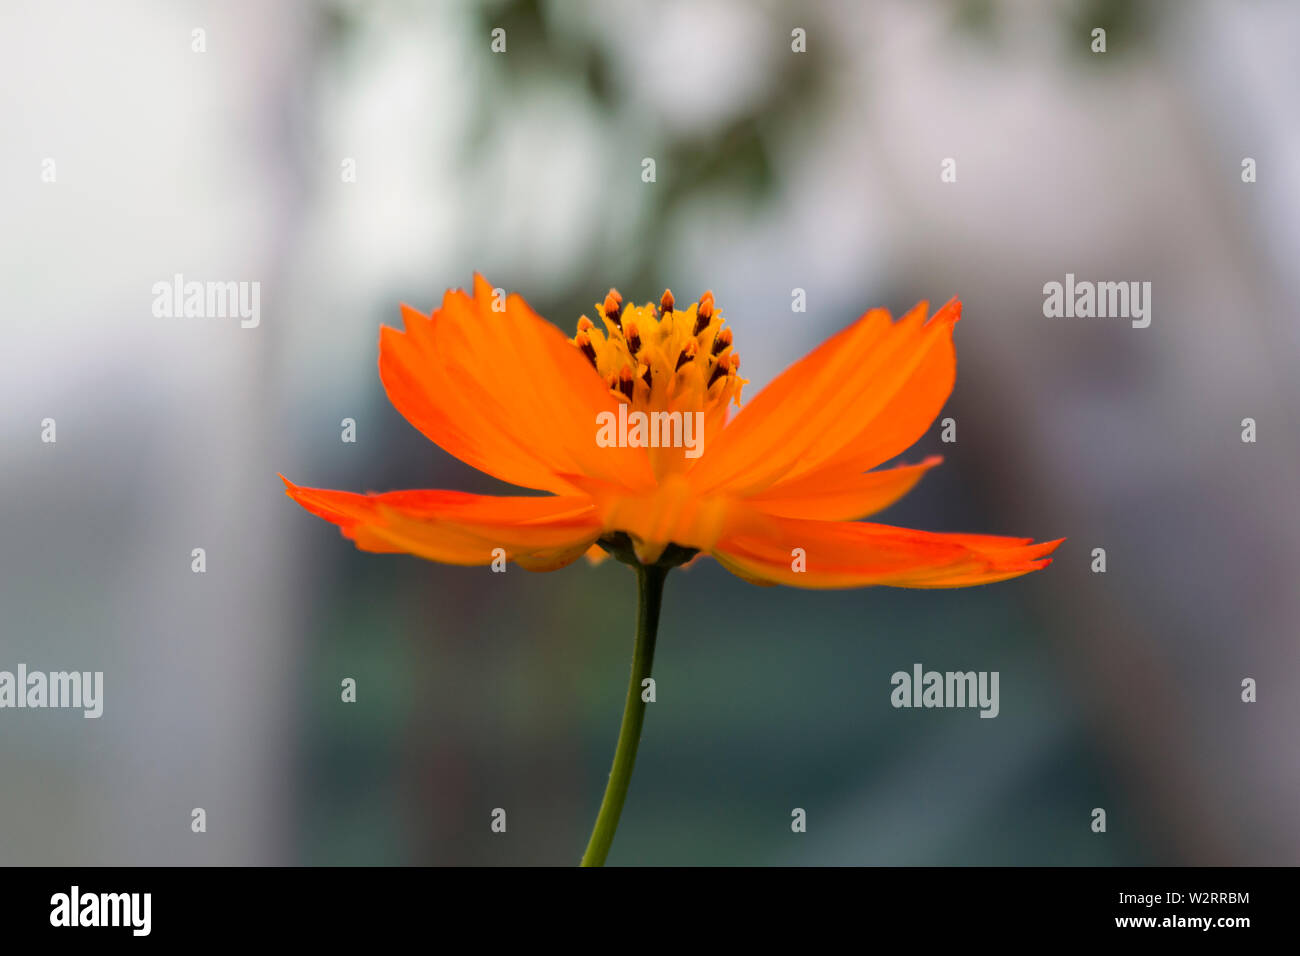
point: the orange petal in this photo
(505, 392)
(848, 554)
(596, 555)
(874, 384)
(671, 513)
(841, 497)
(904, 417)
(457, 528)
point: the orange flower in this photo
(774, 494)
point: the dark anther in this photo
(704, 313)
(613, 306)
(688, 353)
(722, 340)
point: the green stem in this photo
(650, 593)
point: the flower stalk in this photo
(650, 591)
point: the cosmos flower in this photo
(774, 494)
(626, 426)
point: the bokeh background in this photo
(775, 170)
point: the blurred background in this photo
(775, 170)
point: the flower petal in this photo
(902, 420)
(458, 528)
(873, 387)
(596, 555)
(504, 391)
(847, 554)
(670, 514)
(841, 497)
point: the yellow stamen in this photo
(722, 341)
(704, 312)
(687, 354)
(659, 358)
(611, 307)
(583, 341)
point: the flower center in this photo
(662, 358)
